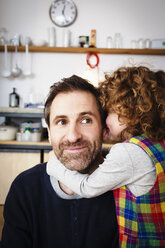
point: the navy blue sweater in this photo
(36, 217)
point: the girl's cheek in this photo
(107, 122)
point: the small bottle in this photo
(14, 99)
(93, 38)
(27, 134)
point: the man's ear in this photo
(49, 137)
(105, 135)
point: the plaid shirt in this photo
(141, 219)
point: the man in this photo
(41, 212)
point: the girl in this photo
(134, 98)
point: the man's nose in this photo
(73, 133)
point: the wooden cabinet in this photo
(16, 157)
(12, 163)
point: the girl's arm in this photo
(114, 172)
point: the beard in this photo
(81, 161)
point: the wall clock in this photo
(63, 12)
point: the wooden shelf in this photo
(46, 49)
(14, 142)
(22, 112)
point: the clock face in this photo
(63, 12)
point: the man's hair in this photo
(73, 83)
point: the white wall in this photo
(134, 19)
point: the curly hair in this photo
(137, 95)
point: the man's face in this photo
(75, 129)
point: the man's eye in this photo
(61, 122)
(86, 120)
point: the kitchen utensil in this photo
(3, 38)
(8, 132)
(6, 72)
(27, 71)
(16, 71)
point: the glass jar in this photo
(36, 135)
(109, 42)
(117, 40)
(141, 44)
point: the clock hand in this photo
(63, 11)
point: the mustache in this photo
(68, 144)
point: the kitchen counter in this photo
(21, 112)
(15, 145)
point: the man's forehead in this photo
(73, 105)
(74, 101)
(74, 112)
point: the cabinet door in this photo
(13, 163)
(48, 155)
